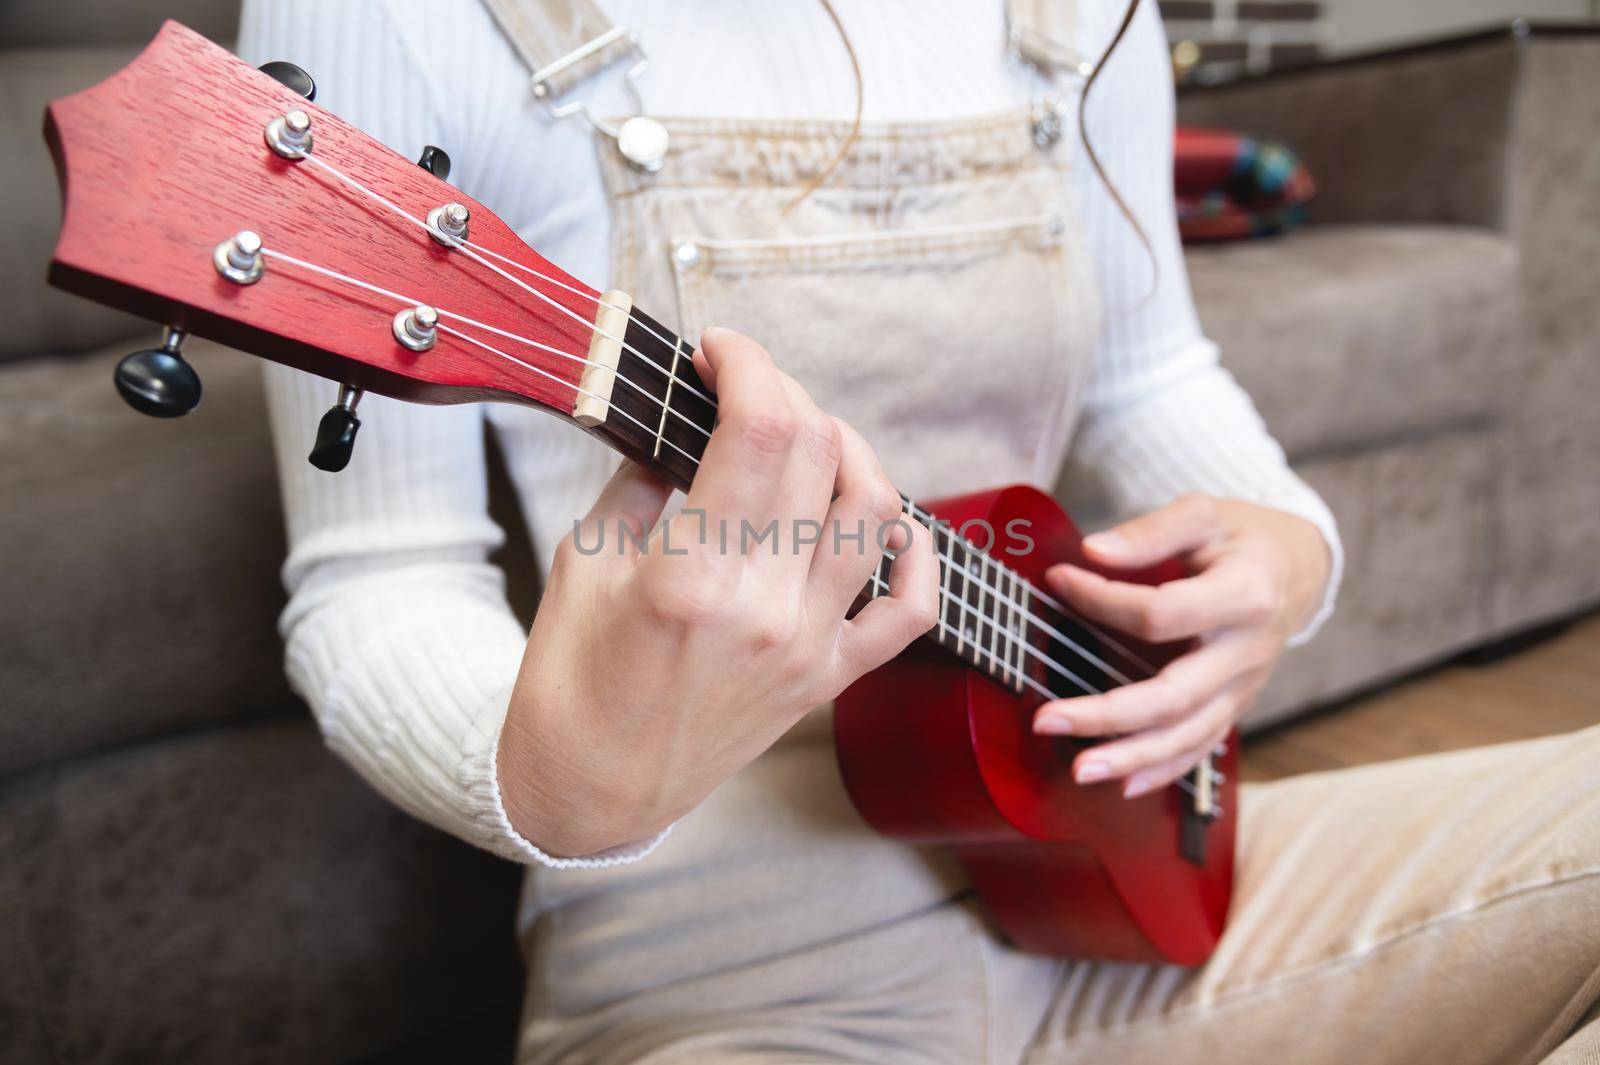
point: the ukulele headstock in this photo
(186, 200)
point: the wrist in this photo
(567, 796)
(1310, 568)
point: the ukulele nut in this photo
(448, 224)
(417, 328)
(239, 258)
(289, 135)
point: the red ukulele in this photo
(219, 200)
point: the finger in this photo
(1234, 592)
(1181, 687)
(1157, 746)
(1148, 780)
(886, 625)
(851, 537)
(633, 499)
(1185, 525)
(805, 491)
(741, 472)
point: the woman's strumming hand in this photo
(1259, 574)
(653, 675)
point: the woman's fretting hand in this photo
(652, 676)
(1259, 575)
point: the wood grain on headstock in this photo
(165, 159)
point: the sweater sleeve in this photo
(1161, 415)
(397, 631)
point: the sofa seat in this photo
(236, 894)
(1436, 311)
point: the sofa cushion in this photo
(239, 895)
(1346, 335)
(1417, 520)
(140, 582)
(39, 318)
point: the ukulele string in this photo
(965, 607)
(465, 247)
(966, 573)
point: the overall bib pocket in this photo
(949, 348)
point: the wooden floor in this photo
(1551, 687)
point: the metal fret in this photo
(1022, 589)
(992, 616)
(961, 622)
(666, 401)
(946, 564)
(1004, 575)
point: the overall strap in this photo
(1043, 32)
(562, 41)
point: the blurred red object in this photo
(1229, 186)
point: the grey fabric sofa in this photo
(188, 875)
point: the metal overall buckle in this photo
(641, 139)
(1064, 72)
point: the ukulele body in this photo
(933, 752)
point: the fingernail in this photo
(1055, 725)
(1139, 785)
(1093, 770)
(1105, 543)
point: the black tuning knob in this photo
(157, 381)
(336, 433)
(291, 77)
(435, 161)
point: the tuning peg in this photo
(435, 161)
(336, 433)
(157, 381)
(291, 77)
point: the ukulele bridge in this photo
(1200, 810)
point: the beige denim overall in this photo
(936, 293)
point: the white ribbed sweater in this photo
(398, 632)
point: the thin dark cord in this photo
(1094, 157)
(855, 123)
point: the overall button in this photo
(643, 142)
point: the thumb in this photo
(1185, 525)
(634, 496)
